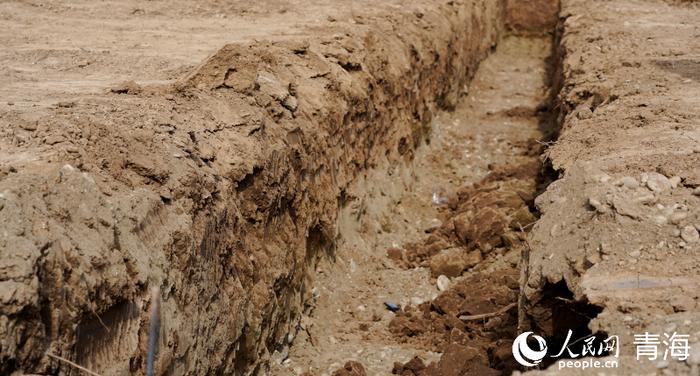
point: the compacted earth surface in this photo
(363, 188)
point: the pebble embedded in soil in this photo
(658, 183)
(677, 217)
(675, 181)
(597, 205)
(443, 282)
(660, 220)
(629, 182)
(416, 301)
(689, 234)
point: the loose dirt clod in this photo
(351, 368)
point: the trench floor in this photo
(494, 124)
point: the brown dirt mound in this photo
(479, 221)
(476, 315)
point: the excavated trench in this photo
(432, 253)
(344, 188)
(309, 214)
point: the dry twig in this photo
(77, 366)
(487, 315)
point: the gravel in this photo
(599, 207)
(690, 234)
(658, 183)
(630, 182)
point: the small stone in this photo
(416, 301)
(662, 364)
(696, 191)
(584, 113)
(29, 126)
(645, 199)
(658, 183)
(54, 139)
(636, 253)
(434, 225)
(677, 217)
(675, 181)
(290, 103)
(690, 234)
(67, 169)
(644, 178)
(626, 207)
(165, 193)
(593, 258)
(597, 205)
(660, 220)
(629, 182)
(443, 282)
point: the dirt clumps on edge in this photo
(480, 220)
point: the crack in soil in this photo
(458, 211)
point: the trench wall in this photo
(221, 190)
(624, 99)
